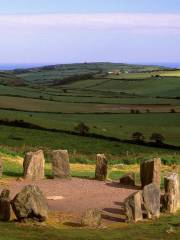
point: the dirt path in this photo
(77, 195)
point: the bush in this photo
(138, 137)
(129, 161)
(82, 129)
(157, 137)
(138, 111)
(172, 110)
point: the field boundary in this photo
(27, 125)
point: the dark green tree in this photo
(82, 129)
(138, 137)
(157, 137)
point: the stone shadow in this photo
(72, 224)
(114, 214)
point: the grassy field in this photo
(102, 95)
(81, 149)
(114, 125)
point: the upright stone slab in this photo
(91, 218)
(133, 207)
(1, 168)
(171, 200)
(101, 167)
(30, 203)
(150, 172)
(5, 205)
(34, 165)
(151, 197)
(60, 164)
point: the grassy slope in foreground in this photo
(165, 228)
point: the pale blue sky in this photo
(58, 31)
(79, 6)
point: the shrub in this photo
(138, 111)
(172, 110)
(82, 129)
(129, 161)
(157, 137)
(138, 137)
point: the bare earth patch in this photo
(74, 196)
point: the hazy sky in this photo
(62, 31)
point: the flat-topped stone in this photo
(101, 167)
(5, 205)
(91, 218)
(171, 199)
(151, 197)
(150, 172)
(34, 165)
(60, 164)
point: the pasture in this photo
(113, 100)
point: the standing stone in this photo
(5, 205)
(150, 172)
(171, 199)
(30, 203)
(91, 218)
(1, 168)
(101, 167)
(60, 164)
(34, 165)
(128, 179)
(151, 197)
(133, 207)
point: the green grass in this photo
(105, 93)
(142, 231)
(81, 149)
(114, 125)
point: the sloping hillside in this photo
(10, 79)
(50, 75)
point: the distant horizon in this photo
(13, 66)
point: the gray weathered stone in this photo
(60, 164)
(150, 172)
(133, 207)
(91, 218)
(128, 179)
(30, 203)
(5, 205)
(101, 167)
(34, 165)
(151, 198)
(1, 168)
(171, 199)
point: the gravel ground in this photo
(75, 195)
